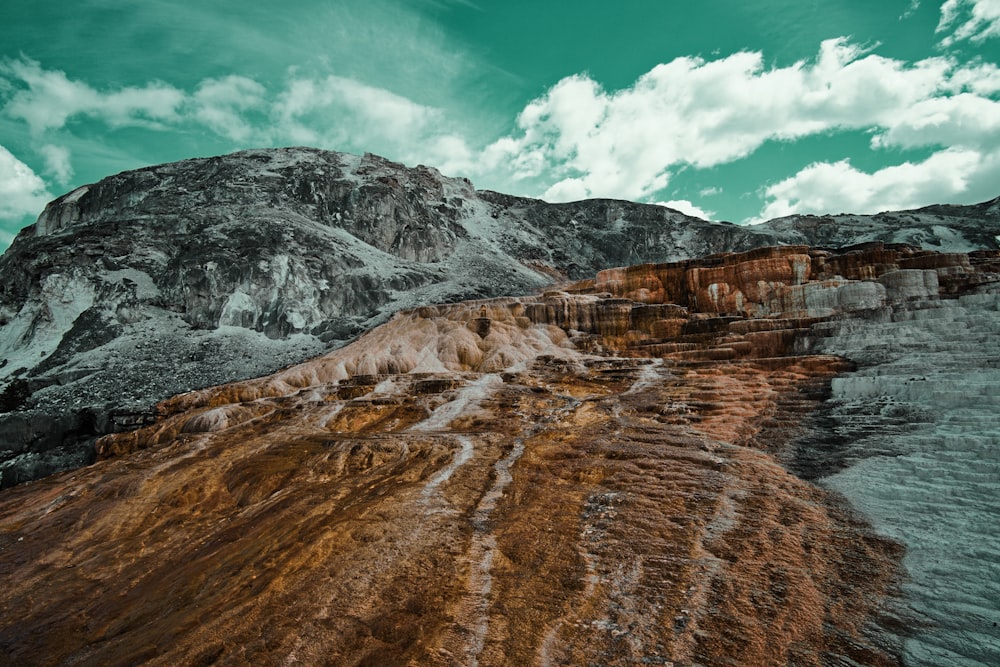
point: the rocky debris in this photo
(594, 477)
(59, 440)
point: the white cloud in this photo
(46, 99)
(687, 208)
(975, 20)
(839, 187)
(340, 108)
(689, 111)
(22, 191)
(911, 10)
(710, 191)
(372, 111)
(345, 114)
(222, 105)
(450, 153)
(579, 140)
(328, 111)
(569, 189)
(959, 120)
(57, 162)
(981, 79)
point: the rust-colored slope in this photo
(594, 518)
(547, 480)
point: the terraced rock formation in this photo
(601, 474)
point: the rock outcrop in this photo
(231, 267)
(599, 474)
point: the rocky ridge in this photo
(598, 474)
(231, 267)
(941, 227)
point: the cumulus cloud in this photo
(979, 78)
(687, 208)
(704, 113)
(959, 120)
(974, 20)
(46, 99)
(449, 152)
(22, 191)
(580, 140)
(223, 105)
(325, 111)
(57, 162)
(840, 187)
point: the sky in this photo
(726, 109)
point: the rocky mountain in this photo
(660, 464)
(939, 227)
(185, 275)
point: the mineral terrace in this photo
(597, 475)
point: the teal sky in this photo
(737, 111)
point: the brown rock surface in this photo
(589, 476)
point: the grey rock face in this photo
(944, 228)
(183, 275)
(917, 431)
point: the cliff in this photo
(603, 473)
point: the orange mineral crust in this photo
(589, 476)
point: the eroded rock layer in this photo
(597, 475)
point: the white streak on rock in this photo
(467, 398)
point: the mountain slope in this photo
(231, 267)
(184, 275)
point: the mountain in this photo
(940, 227)
(659, 464)
(195, 273)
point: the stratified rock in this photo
(910, 283)
(911, 438)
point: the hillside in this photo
(190, 274)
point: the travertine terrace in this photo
(596, 475)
